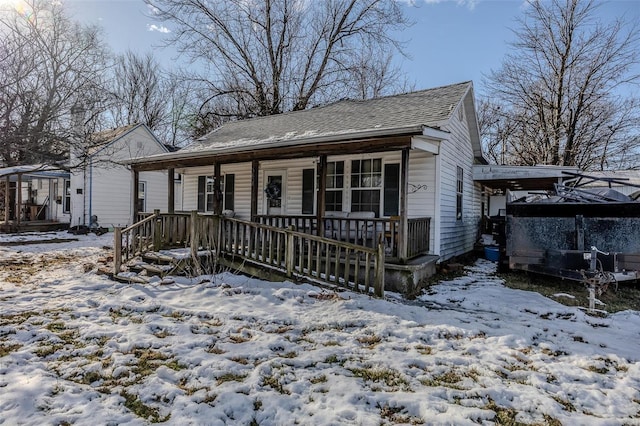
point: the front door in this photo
(274, 192)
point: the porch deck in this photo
(289, 246)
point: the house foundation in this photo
(408, 278)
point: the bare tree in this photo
(270, 56)
(558, 98)
(374, 74)
(137, 91)
(47, 64)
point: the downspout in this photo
(90, 190)
(437, 249)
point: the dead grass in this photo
(627, 296)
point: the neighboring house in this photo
(405, 157)
(32, 193)
(101, 185)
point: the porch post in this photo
(217, 205)
(255, 165)
(404, 211)
(19, 198)
(171, 201)
(320, 195)
(134, 193)
(7, 200)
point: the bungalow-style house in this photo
(100, 184)
(393, 172)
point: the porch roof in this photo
(40, 170)
(373, 120)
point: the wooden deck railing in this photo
(418, 232)
(300, 254)
(134, 240)
(157, 231)
(350, 253)
(366, 232)
(302, 223)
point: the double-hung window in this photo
(334, 186)
(459, 193)
(366, 184)
(66, 207)
(142, 192)
(206, 192)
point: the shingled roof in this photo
(429, 107)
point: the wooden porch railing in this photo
(350, 253)
(302, 223)
(366, 232)
(300, 254)
(418, 232)
(134, 240)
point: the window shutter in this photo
(229, 187)
(308, 176)
(202, 181)
(391, 189)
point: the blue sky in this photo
(451, 41)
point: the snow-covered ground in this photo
(77, 348)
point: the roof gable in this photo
(431, 107)
(99, 141)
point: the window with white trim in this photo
(142, 195)
(334, 186)
(66, 206)
(210, 192)
(459, 192)
(366, 185)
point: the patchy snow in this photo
(78, 348)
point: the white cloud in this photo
(153, 10)
(159, 28)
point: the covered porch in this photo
(31, 198)
(332, 206)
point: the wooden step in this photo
(158, 258)
(130, 278)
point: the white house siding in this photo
(242, 189)
(106, 186)
(422, 188)
(457, 236)
(190, 185)
(109, 196)
(293, 179)
(421, 182)
(157, 195)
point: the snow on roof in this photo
(41, 169)
(429, 107)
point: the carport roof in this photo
(521, 178)
(42, 170)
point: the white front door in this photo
(274, 192)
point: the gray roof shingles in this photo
(426, 107)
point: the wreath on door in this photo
(273, 190)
